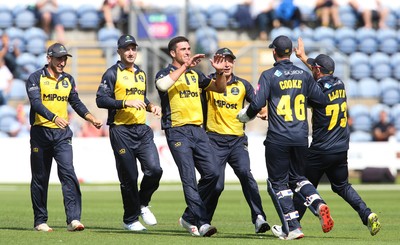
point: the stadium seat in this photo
(41, 60)
(368, 88)
(348, 19)
(379, 58)
(352, 90)
(385, 33)
(395, 60)
(15, 33)
(381, 71)
(18, 91)
(364, 33)
(344, 32)
(390, 97)
(233, 23)
(303, 32)
(197, 19)
(35, 32)
(36, 46)
(68, 18)
(388, 84)
(362, 122)
(389, 46)
(360, 136)
(106, 33)
(391, 20)
(207, 40)
(358, 58)
(88, 17)
(375, 110)
(7, 111)
(347, 45)
(282, 31)
(6, 18)
(360, 71)
(219, 20)
(27, 62)
(25, 19)
(368, 45)
(215, 8)
(395, 112)
(323, 32)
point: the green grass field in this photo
(102, 216)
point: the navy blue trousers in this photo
(233, 150)
(46, 144)
(131, 143)
(285, 166)
(191, 150)
(336, 169)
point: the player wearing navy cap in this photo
(330, 139)
(286, 88)
(228, 139)
(122, 92)
(50, 90)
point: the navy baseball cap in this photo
(323, 62)
(226, 52)
(282, 45)
(126, 40)
(57, 50)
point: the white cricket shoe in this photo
(43, 227)
(75, 225)
(192, 229)
(207, 230)
(135, 226)
(261, 226)
(147, 216)
(295, 234)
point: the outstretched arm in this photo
(300, 52)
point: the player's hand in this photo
(242, 116)
(138, 104)
(156, 110)
(61, 122)
(97, 123)
(218, 62)
(195, 60)
(263, 114)
(299, 50)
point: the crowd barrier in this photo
(94, 160)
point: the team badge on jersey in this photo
(141, 78)
(235, 91)
(64, 84)
(278, 73)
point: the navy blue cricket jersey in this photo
(287, 89)
(331, 133)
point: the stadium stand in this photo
(368, 59)
(6, 17)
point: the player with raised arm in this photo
(330, 139)
(287, 89)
